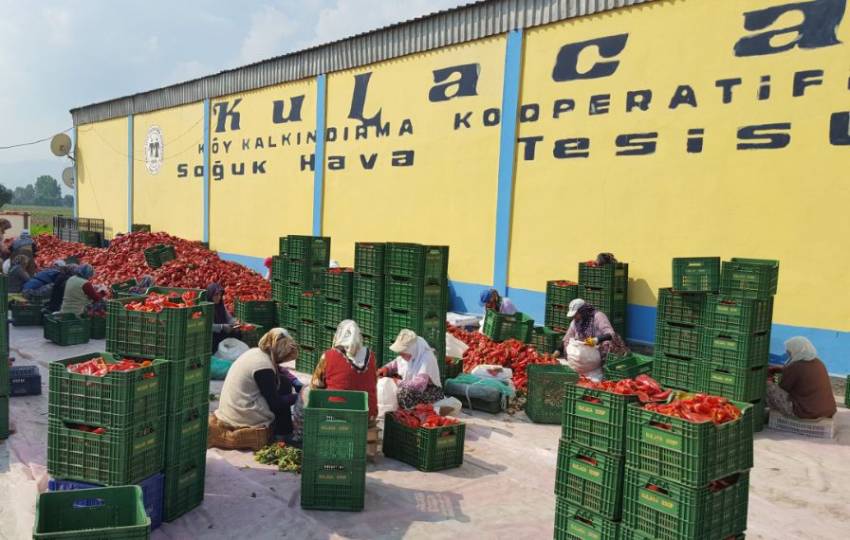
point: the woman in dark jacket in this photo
(223, 322)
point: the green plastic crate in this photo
(432, 329)
(117, 457)
(576, 523)
(308, 358)
(278, 268)
(561, 292)
(590, 479)
(369, 290)
(596, 419)
(116, 513)
(308, 333)
(326, 337)
(26, 314)
(251, 337)
(313, 249)
(5, 372)
(500, 327)
(332, 484)
(740, 384)
(546, 391)
(188, 383)
(414, 295)
(335, 424)
(283, 247)
(677, 372)
(278, 291)
(610, 301)
(684, 341)
(375, 345)
(300, 272)
(430, 263)
(556, 317)
(186, 435)
(628, 366)
(626, 533)
(310, 306)
(292, 293)
(66, 329)
(545, 340)
(4, 417)
(740, 315)
(338, 284)
(334, 311)
(738, 350)
(184, 488)
(608, 276)
(200, 294)
(692, 454)
(262, 312)
(696, 274)
(428, 450)
(171, 334)
(665, 510)
(370, 319)
(749, 278)
(288, 316)
(369, 258)
(119, 400)
(158, 255)
(454, 367)
(683, 308)
(97, 328)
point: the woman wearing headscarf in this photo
(255, 392)
(804, 390)
(79, 291)
(223, 321)
(40, 285)
(593, 328)
(348, 365)
(417, 368)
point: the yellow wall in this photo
(251, 211)
(166, 202)
(788, 204)
(448, 196)
(101, 154)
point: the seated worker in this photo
(17, 275)
(417, 368)
(593, 327)
(255, 392)
(223, 321)
(66, 271)
(25, 245)
(805, 390)
(491, 299)
(40, 285)
(79, 291)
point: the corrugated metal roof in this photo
(473, 21)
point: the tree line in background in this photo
(44, 192)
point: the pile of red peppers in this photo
(98, 367)
(643, 386)
(698, 408)
(423, 415)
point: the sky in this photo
(55, 56)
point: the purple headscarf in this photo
(219, 311)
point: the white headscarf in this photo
(349, 338)
(800, 349)
(422, 361)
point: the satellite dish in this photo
(68, 177)
(60, 145)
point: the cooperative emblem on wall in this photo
(154, 149)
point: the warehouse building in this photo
(528, 135)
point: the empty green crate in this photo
(178, 292)
(188, 383)
(738, 350)
(575, 523)
(308, 333)
(369, 290)
(428, 450)
(335, 424)
(4, 417)
(665, 510)
(283, 247)
(287, 315)
(326, 336)
(430, 263)
(685, 341)
(26, 314)
(749, 278)
(740, 384)
(546, 390)
(500, 327)
(171, 334)
(683, 308)
(414, 295)
(118, 513)
(561, 292)
(300, 272)
(292, 293)
(278, 268)
(278, 291)
(332, 484)
(375, 344)
(609, 301)
(335, 311)
(689, 453)
(590, 479)
(557, 318)
(184, 488)
(696, 274)
(308, 359)
(369, 258)
(338, 284)
(433, 328)
(310, 306)
(727, 314)
(596, 419)
(677, 372)
(158, 255)
(545, 340)
(119, 399)
(97, 328)
(262, 312)
(67, 329)
(628, 366)
(313, 249)
(186, 435)
(607, 276)
(116, 457)
(370, 319)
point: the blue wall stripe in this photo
(206, 224)
(76, 176)
(319, 169)
(130, 123)
(507, 155)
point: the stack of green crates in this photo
(685, 479)
(680, 329)
(416, 294)
(309, 331)
(607, 288)
(337, 301)
(4, 359)
(559, 294)
(333, 473)
(299, 266)
(591, 461)
(368, 295)
(738, 338)
(183, 338)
